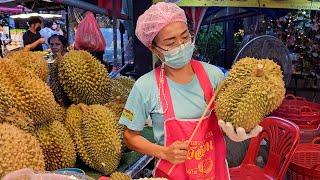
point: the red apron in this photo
(207, 151)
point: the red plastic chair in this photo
(283, 137)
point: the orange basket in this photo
(305, 164)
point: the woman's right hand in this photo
(177, 152)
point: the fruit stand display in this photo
(84, 134)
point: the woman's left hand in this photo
(241, 134)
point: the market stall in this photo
(39, 60)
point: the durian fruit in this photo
(4, 96)
(18, 150)
(117, 109)
(84, 78)
(13, 117)
(3, 112)
(33, 61)
(57, 145)
(252, 90)
(60, 113)
(120, 89)
(101, 148)
(73, 124)
(53, 81)
(24, 91)
(126, 81)
(120, 176)
(73, 118)
(119, 93)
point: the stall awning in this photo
(102, 9)
(13, 10)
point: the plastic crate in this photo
(303, 113)
(299, 101)
(309, 127)
(307, 135)
(305, 164)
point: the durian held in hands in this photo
(252, 90)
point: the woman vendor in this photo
(58, 45)
(175, 95)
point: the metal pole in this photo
(122, 31)
(67, 22)
(114, 18)
(229, 42)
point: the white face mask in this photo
(179, 56)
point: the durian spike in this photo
(259, 70)
(83, 107)
(114, 143)
(234, 92)
(217, 90)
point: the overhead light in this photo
(26, 16)
(6, 1)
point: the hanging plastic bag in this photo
(88, 36)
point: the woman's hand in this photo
(241, 134)
(176, 153)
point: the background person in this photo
(32, 39)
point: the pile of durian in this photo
(252, 90)
(40, 131)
